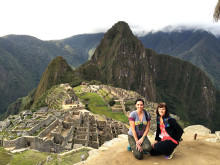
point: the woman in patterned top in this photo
(168, 133)
(139, 126)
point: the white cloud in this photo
(56, 19)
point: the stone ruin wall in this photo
(69, 134)
(49, 128)
(33, 143)
(34, 129)
(45, 122)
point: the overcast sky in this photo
(58, 19)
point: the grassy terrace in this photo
(5, 156)
(35, 157)
(97, 105)
(56, 97)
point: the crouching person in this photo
(168, 133)
(139, 127)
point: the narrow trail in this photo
(189, 152)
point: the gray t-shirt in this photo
(134, 117)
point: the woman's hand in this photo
(139, 147)
(140, 141)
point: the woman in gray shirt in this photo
(139, 127)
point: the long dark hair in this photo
(163, 105)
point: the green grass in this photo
(34, 157)
(117, 103)
(97, 105)
(72, 158)
(29, 157)
(5, 156)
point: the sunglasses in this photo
(140, 126)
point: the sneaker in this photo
(169, 157)
(129, 148)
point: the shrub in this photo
(111, 102)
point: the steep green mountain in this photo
(122, 60)
(57, 72)
(15, 80)
(198, 47)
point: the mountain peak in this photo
(118, 43)
(57, 72)
(120, 28)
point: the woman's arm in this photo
(132, 125)
(176, 127)
(157, 138)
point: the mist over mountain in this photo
(181, 28)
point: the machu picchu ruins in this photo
(66, 123)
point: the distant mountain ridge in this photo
(199, 47)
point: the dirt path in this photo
(189, 152)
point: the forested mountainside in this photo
(57, 72)
(199, 47)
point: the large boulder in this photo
(197, 129)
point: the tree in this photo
(216, 14)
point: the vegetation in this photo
(71, 158)
(34, 157)
(198, 47)
(57, 72)
(111, 102)
(97, 105)
(5, 156)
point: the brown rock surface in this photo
(189, 152)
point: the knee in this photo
(138, 155)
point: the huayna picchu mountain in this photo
(122, 60)
(57, 72)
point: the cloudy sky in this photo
(58, 19)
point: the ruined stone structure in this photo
(78, 128)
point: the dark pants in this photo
(163, 147)
(146, 146)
